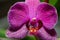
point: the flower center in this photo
(34, 25)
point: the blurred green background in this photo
(4, 7)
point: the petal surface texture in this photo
(32, 4)
(45, 34)
(21, 33)
(18, 14)
(47, 14)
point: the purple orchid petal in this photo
(16, 14)
(44, 34)
(17, 17)
(48, 15)
(21, 33)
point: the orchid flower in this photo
(32, 17)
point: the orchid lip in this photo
(34, 25)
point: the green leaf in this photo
(2, 33)
(41, 0)
(53, 2)
(29, 38)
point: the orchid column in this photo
(32, 17)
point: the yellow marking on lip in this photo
(32, 30)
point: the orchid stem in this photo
(46, 1)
